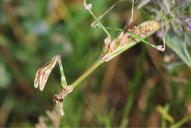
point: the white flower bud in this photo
(87, 6)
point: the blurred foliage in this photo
(126, 92)
(175, 17)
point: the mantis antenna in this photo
(163, 33)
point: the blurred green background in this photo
(141, 88)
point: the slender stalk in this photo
(101, 25)
(181, 122)
(87, 73)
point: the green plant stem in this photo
(164, 113)
(87, 73)
(181, 122)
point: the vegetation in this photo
(141, 86)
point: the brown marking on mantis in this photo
(124, 39)
(145, 29)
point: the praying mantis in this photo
(112, 48)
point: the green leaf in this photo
(179, 45)
(2, 40)
(5, 78)
(143, 3)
